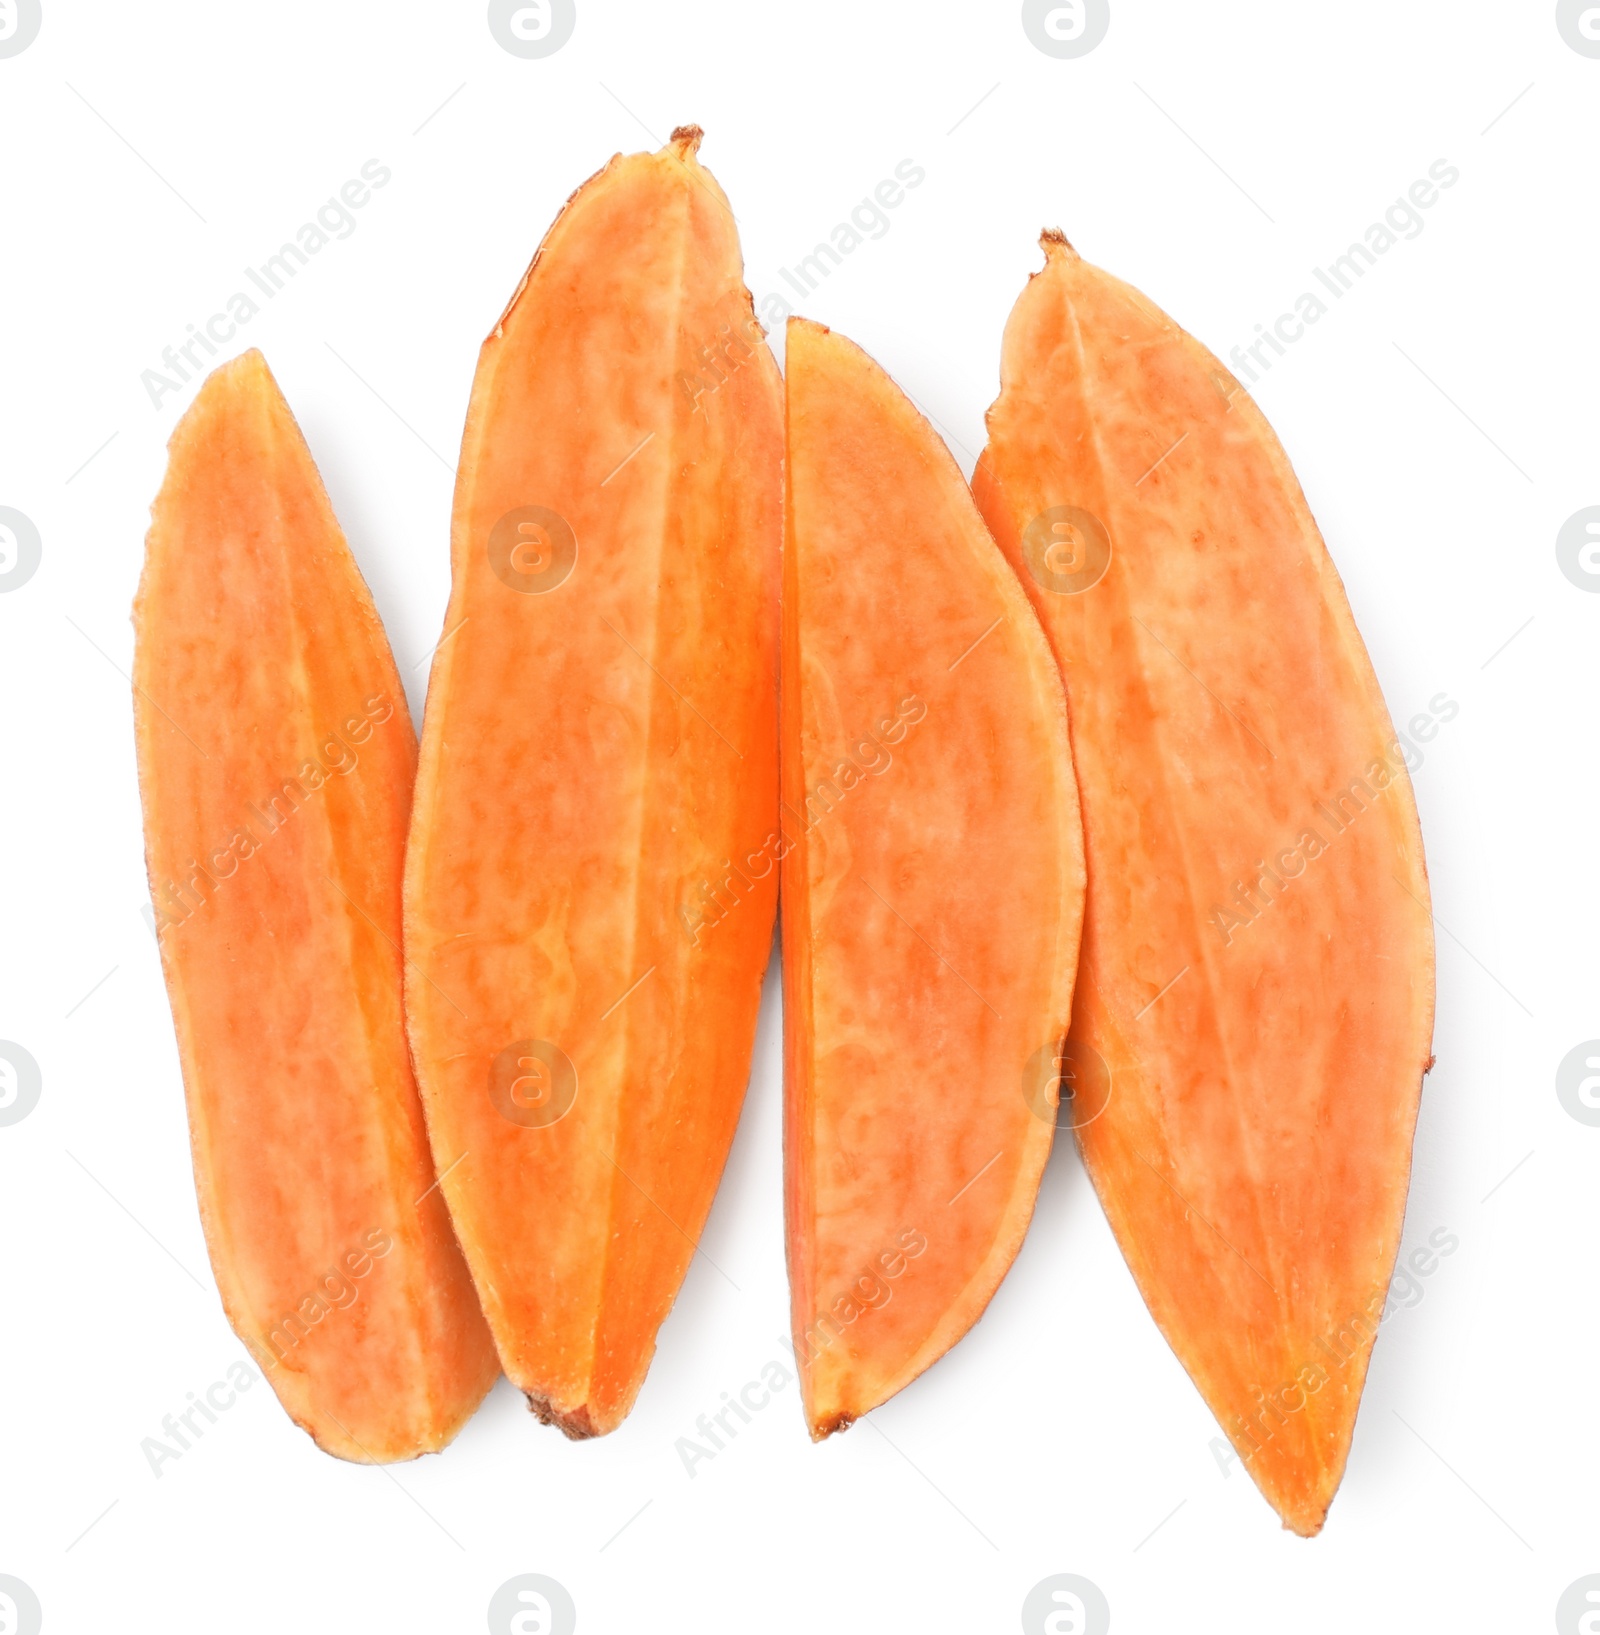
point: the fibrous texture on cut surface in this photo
(593, 874)
(932, 889)
(275, 762)
(1257, 973)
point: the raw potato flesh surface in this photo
(1257, 968)
(592, 882)
(276, 759)
(933, 889)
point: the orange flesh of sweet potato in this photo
(275, 763)
(932, 890)
(1257, 965)
(592, 877)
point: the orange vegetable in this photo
(1257, 970)
(275, 762)
(932, 890)
(592, 882)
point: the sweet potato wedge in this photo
(1257, 969)
(592, 882)
(933, 889)
(275, 762)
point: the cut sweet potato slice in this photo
(591, 883)
(932, 889)
(1257, 970)
(275, 762)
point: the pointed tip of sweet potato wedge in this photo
(251, 361)
(686, 140)
(576, 1426)
(822, 1429)
(245, 373)
(1304, 1515)
(241, 390)
(1300, 1482)
(1056, 243)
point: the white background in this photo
(1212, 154)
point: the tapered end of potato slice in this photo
(250, 366)
(1303, 1520)
(576, 1427)
(805, 332)
(230, 395)
(821, 1429)
(686, 140)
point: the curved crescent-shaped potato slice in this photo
(932, 892)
